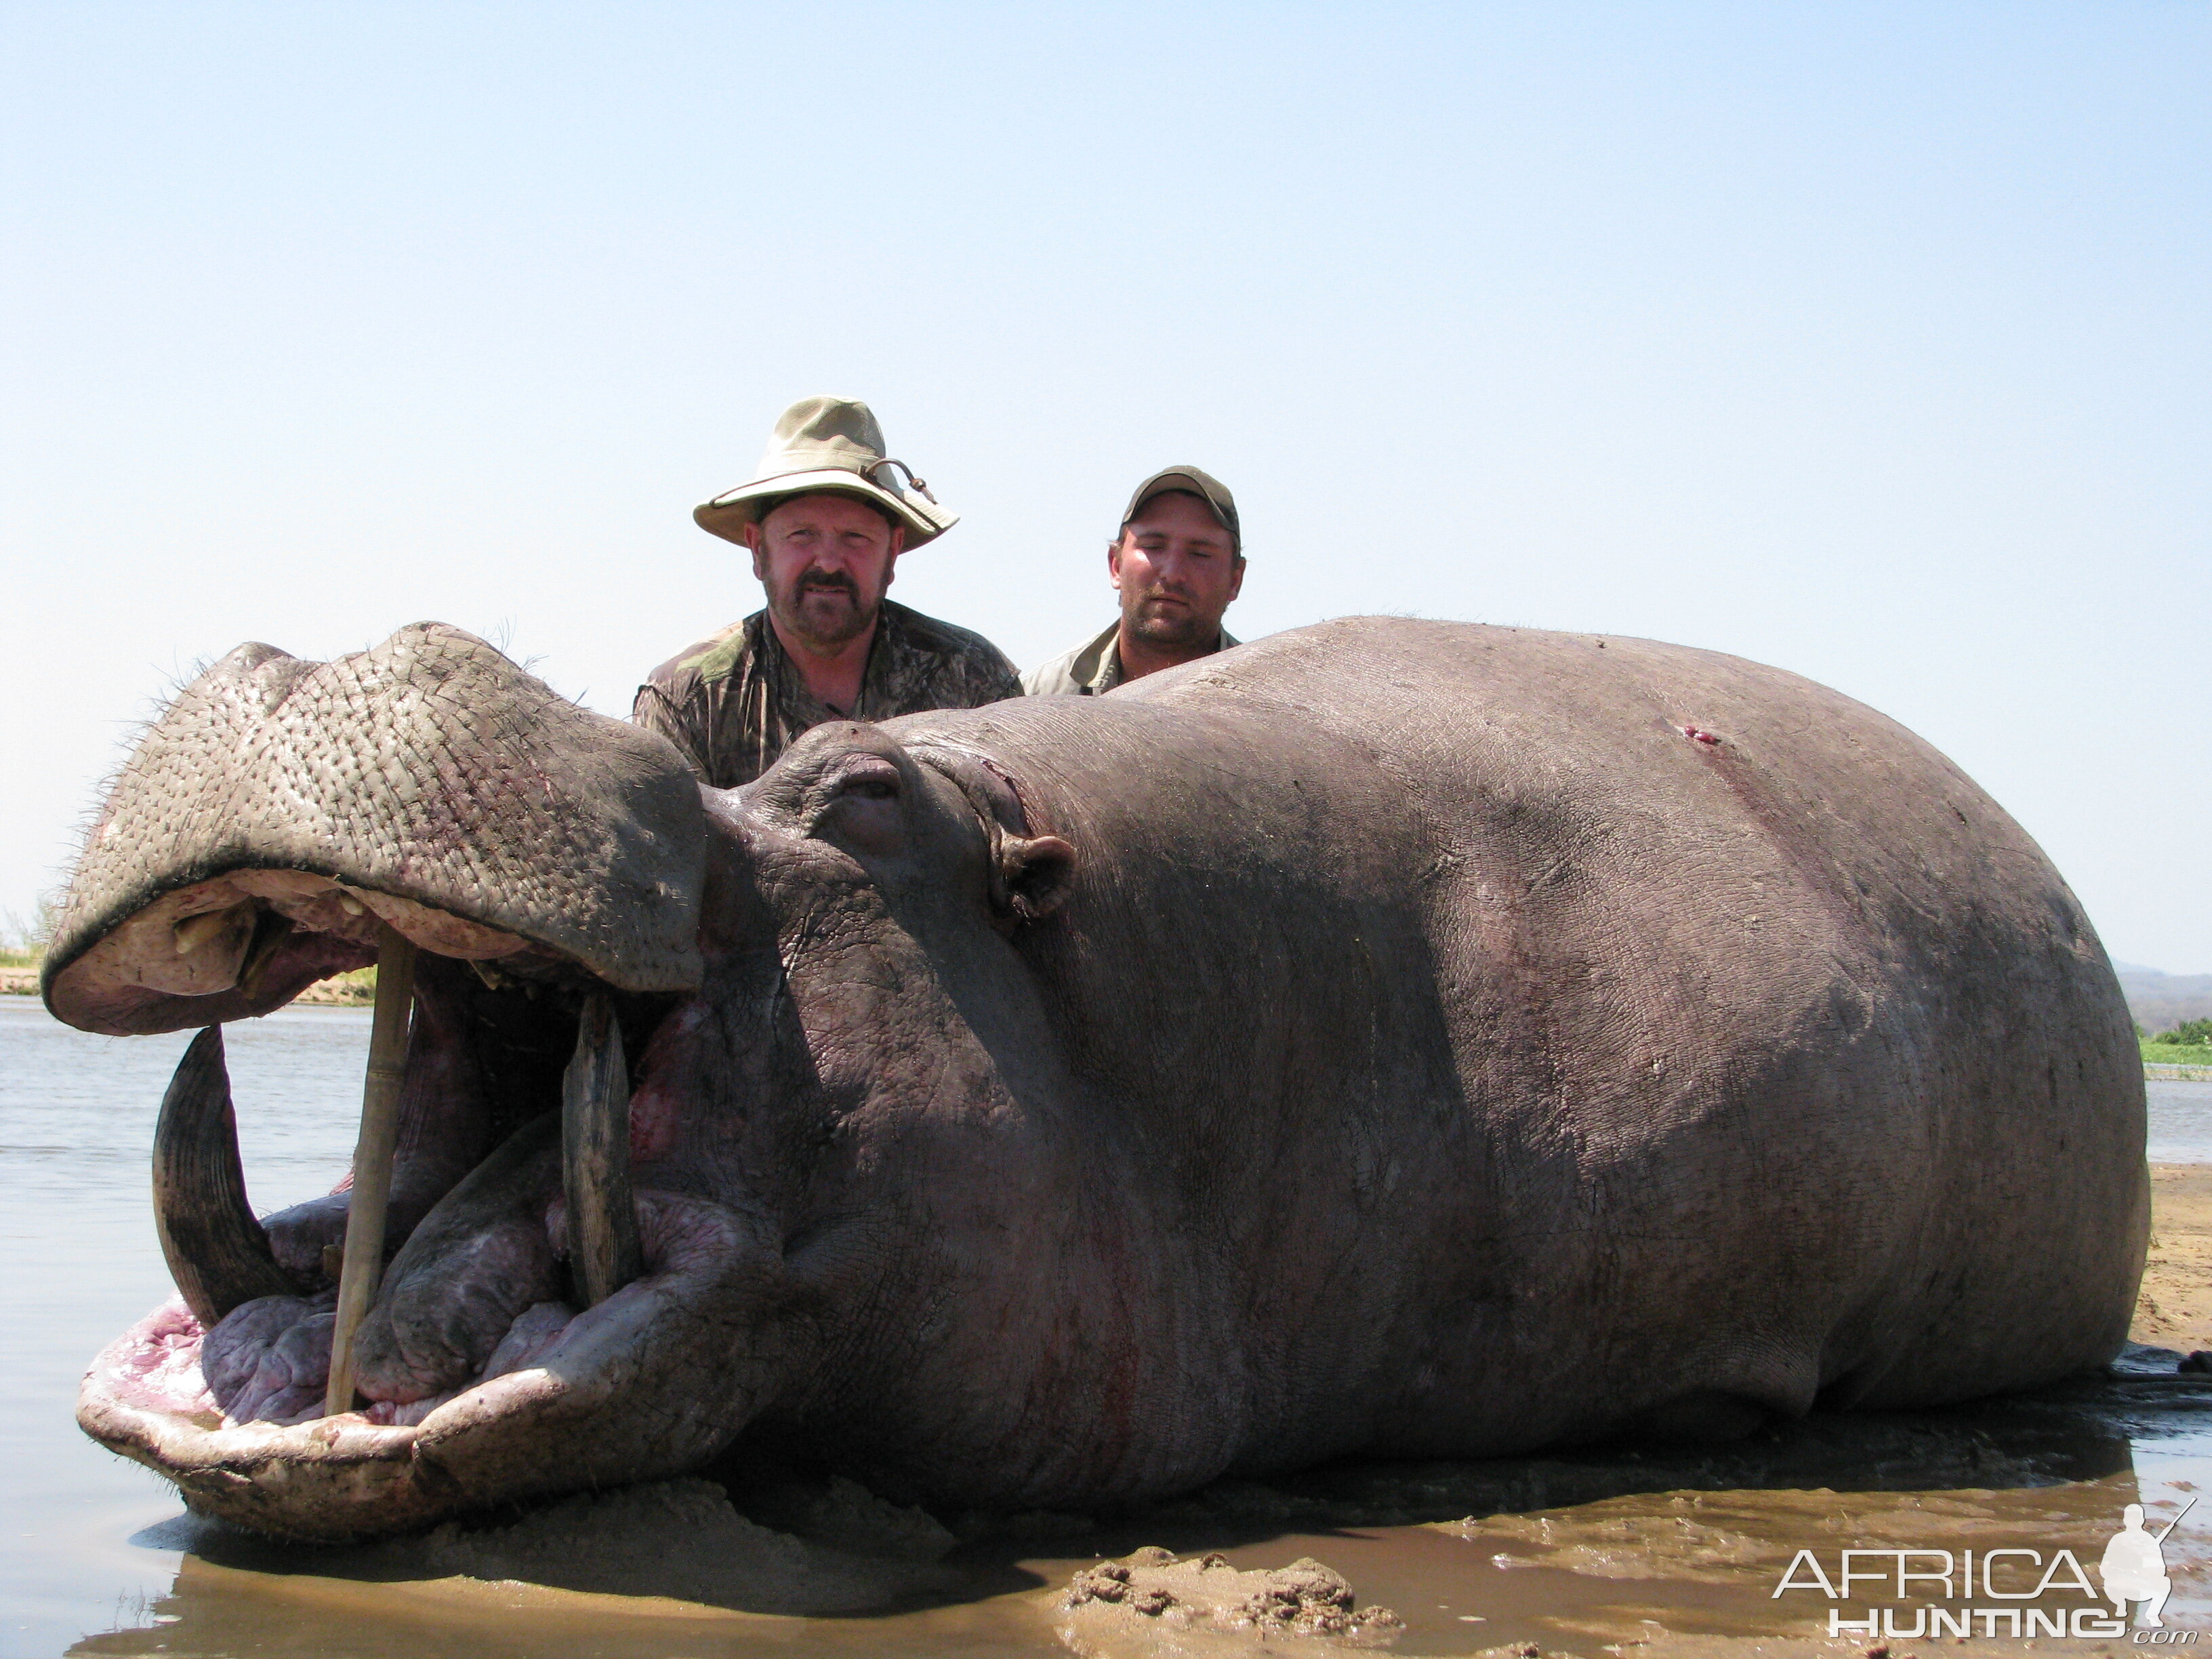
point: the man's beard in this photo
(826, 624)
(1171, 627)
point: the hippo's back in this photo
(1794, 1068)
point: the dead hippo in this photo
(1392, 1037)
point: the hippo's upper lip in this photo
(429, 780)
(239, 944)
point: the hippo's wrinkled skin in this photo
(1392, 1036)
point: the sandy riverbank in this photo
(2174, 1310)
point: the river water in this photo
(1572, 1552)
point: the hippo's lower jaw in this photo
(650, 1382)
(322, 1480)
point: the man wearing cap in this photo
(825, 519)
(1177, 562)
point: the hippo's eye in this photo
(862, 808)
(870, 778)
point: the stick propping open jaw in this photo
(363, 1266)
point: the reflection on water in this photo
(1572, 1552)
(77, 1120)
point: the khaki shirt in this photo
(734, 702)
(1091, 670)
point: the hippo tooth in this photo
(603, 1242)
(195, 931)
(216, 1251)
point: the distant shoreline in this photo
(358, 990)
(347, 991)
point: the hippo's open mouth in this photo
(483, 1313)
(280, 823)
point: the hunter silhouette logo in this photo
(2132, 1569)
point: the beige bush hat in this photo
(831, 444)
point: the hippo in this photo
(1392, 1038)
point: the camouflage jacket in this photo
(734, 702)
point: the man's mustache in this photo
(824, 581)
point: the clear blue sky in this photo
(1868, 340)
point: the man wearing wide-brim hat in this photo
(1177, 561)
(825, 517)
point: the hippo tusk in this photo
(195, 930)
(363, 1262)
(603, 1243)
(215, 1248)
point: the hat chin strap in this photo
(914, 483)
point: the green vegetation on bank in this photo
(23, 942)
(2189, 1043)
(2177, 1053)
(355, 989)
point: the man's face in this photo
(825, 561)
(1177, 570)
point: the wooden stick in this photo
(363, 1264)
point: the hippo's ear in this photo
(1029, 876)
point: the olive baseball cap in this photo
(1204, 485)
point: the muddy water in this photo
(1573, 1553)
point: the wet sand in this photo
(1683, 1554)
(2175, 1308)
